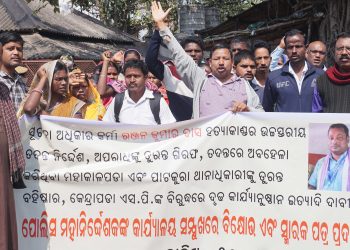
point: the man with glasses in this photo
(316, 54)
(332, 92)
(290, 89)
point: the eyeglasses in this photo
(340, 49)
(317, 51)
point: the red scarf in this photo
(338, 77)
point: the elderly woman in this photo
(48, 94)
(83, 89)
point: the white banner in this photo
(235, 181)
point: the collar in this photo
(148, 94)
(233, 78)
(342, 157)
(291, 70)
(5, 75)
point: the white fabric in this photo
(139, 112)
(299, 81)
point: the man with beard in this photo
(316, 54)
(332, 92)
(290, 89)
(11, 57)
(216, 93)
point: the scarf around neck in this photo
(338, 77)
(345, 172)
(16, 157)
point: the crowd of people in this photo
(243, 76)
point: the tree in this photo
(134, 15)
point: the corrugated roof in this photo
(6, 20)
(37, 46)
(18, 15)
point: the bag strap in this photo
(118, 103)
(155, 106)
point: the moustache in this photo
(344, 57)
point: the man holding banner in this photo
(332, 171)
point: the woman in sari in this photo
(48, 94)
(83, 89)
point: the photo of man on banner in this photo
(332, 171)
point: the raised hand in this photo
(105, 56)
(158, 14)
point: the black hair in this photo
(132, 51)
(243, 54)
(10, 36)
(240, 39)
(220, 46)
(60, 66)
(294, 32)
(343, 35)
(258, 44)
(193, 39)
(340, 126)
(136, 64)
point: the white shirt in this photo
(299, 81)
(139, 112)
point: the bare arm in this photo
(33, 100)
(103, 89)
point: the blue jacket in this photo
(281, 92)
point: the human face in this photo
(81, 90)
(221, 64)
(60, 83)
(295, 49)
(112, 73)
(132, 55)
(135, 80)
(338, 141)
(262, 60)
(246, 69)
(316, 54)
(237, 47)
(154, 80)
(342, 54)
(195, 51)
(12, 54)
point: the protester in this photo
(194, 47)
(316, 54)
(238, 44)
(179, 95)
(332, 171)
(278, 59)
(138, 105)
(83, 89)
(290, 89)
(161, 88)
(48, 94)
(222, 90)
(332, 91)
(108, 83)
(12, 165)
(11, 57)
(262, 57)
(244, 65)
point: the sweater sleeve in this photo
(154, 65)
(191, 74)
(317, 104)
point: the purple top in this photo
(216, 98)
(317, 105)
